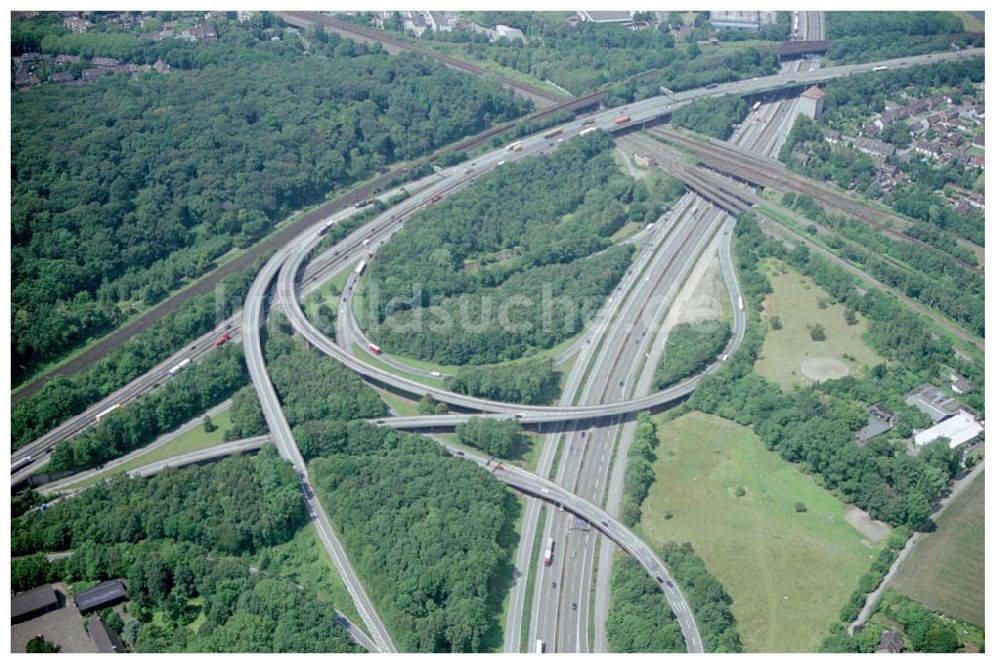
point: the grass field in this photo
(945, 572)
(795, 301)
(970, 23)
(788, 573)
(457, 51)
(192, 440)
(399, 405)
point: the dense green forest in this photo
(245, 414)
(531, 381)
(181, 541)
(880, 23)
(312, 386)
(639, 618)
(814, 425)
(706, 597)
(515, 263)
(124, 189)
(639, 474)
(689, 349)
(898, 34)
(848, 50)
(63, 397)
(430, 534)
(196, 389)
(500, 438)
(714, 117)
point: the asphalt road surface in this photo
(640, 112)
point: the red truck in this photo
(621, 120)
(435, 198)
(374, 349)
(222, 340)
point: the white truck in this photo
(176, 369)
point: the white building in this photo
(741, 20)
(958, 429)
(605, 16)
(507, 32)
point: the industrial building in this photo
(933, 402)
(605, 17)
(33, 603)
(105, 639)
(102, 595)
(958, 429)
(751, 21)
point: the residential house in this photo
(61, 77)
(875, 147)
(891, 642)
(94, 73)
(77, 25)
(880, 421)
(927, 148)
(831, 136)
(959, 384)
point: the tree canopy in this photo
(515, 263)
(430, 534)
(124, 189)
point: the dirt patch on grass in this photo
(824, 369)
(871, 529)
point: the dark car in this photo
(553, 585)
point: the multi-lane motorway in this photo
(568, 606)
(616, 369)
(641, 112)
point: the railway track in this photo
(764, 174)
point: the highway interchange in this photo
(610, 379)
(641, 113)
